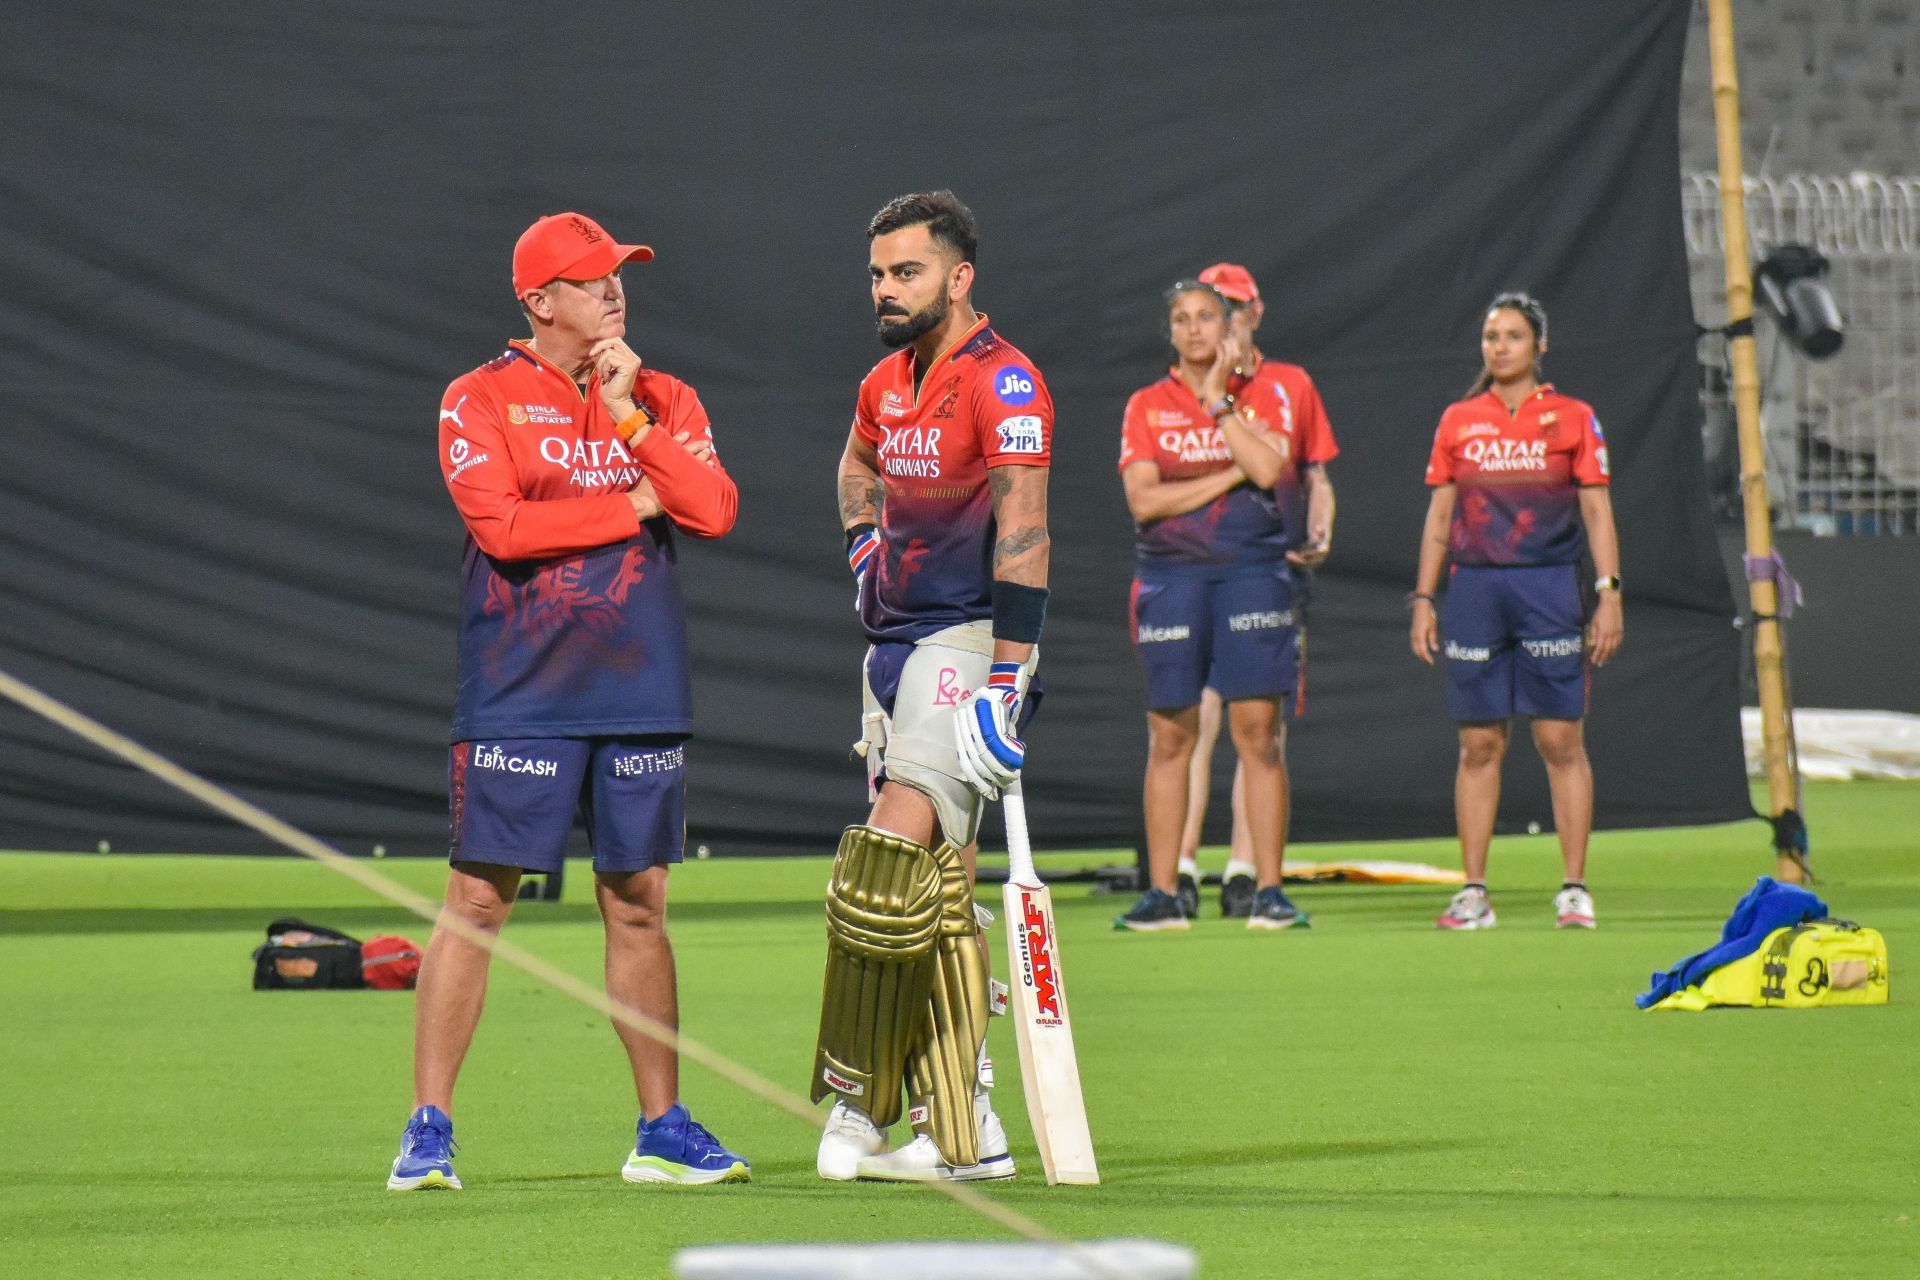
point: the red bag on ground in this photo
(390, 962)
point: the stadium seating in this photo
(1826, 86)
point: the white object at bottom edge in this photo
(938, 1260)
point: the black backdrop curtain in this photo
(245, 246)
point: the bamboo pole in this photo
(1763, 594)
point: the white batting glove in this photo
(983, 728)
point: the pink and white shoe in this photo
(1573, 908)
(1470, 909)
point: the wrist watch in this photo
(1222, 406)
(1607, 582)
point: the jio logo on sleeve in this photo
(1013, 384)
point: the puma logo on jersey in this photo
(454, 413)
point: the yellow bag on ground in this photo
(1819, 962)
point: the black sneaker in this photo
(1156, 910)
(1187, 894)
(1271, 910)
(1236, 898)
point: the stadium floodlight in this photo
(1793, 281)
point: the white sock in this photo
(1237, 868)
(1189, 867)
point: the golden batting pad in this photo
(883, 915)
(944, 1065)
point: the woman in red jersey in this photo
(1520, 507)
(1211, 460)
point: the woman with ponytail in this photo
(1520, 508)
(1212, 457)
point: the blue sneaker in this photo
(675, 1148)
(1156, 910)
(1272, 910)
(425, 1162)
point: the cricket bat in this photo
(1041, 1023)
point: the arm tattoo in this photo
(860, 499)
(1020, 551)
(1017, 544)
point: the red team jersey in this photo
(980, 405)
(570, 615)
(1166, 425)
(1519, 477)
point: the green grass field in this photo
(1371, 1098)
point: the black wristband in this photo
(853, 534)
(1018, 612)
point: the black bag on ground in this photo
(299, 956)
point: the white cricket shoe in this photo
(1470, 909)
(919, 1160)
(849, 1138)
(1573, 908)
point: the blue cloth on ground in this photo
(1769, 905)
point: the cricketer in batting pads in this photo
(575, 470)
(943, 496)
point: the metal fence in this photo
(1843, 434)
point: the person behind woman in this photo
(1519, 475)
(1210, 462)
(1238, 286)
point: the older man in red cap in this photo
(1284, 397)
(575, 471)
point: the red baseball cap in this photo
(570, 245)
(1233, 280)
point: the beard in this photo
(898, 328)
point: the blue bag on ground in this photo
(1769, 905)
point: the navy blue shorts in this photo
(1238, 635)
(514, 800)
(1515, 643)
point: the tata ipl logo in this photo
(1036, 961)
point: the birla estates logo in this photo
(1037, 967)
(544, 414)
(892, 405)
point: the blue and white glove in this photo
(983, 730)
(863, 545)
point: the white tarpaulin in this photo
(1838, 745)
